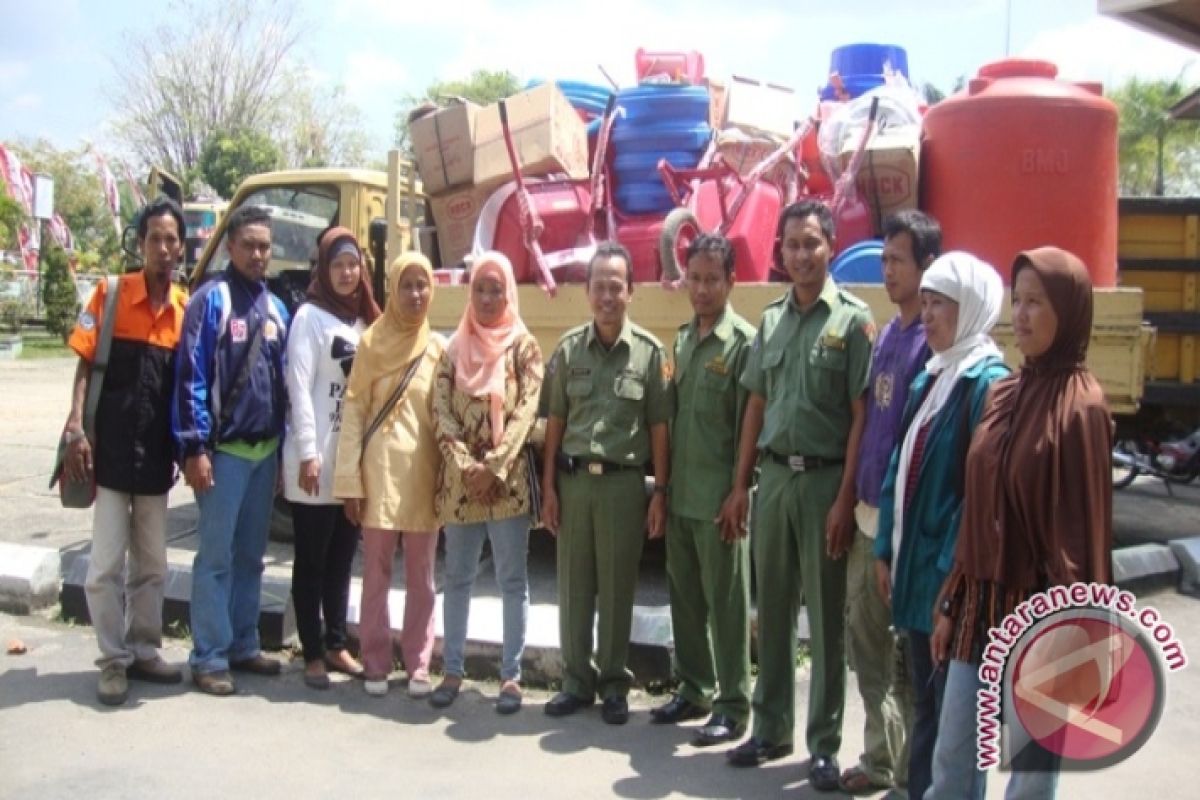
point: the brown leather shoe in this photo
(219, 683)
(258, 665)
(154, 670)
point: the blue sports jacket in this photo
(218, 328)
(931, 521)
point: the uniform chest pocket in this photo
(712, 394)
(579, 387)
(630, 391)
(828, 373)
(772, 359)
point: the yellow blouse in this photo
(464, 435)
(396, 475)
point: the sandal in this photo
(856, 781)
(509, 701)
(444, 695)
(346, 665)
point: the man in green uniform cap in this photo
(806, 374)
(708, 576)
(607, 398)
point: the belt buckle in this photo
(796, 463)
(595, 468)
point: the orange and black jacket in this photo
(134, 452)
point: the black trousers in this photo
(325, 543)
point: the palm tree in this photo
(1150, 139)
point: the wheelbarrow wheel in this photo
(680, 229)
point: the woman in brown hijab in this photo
(1037, 509)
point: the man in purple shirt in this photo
(912, 240)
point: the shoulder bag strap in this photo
(239, 383)
(392, 400)
(100, 361)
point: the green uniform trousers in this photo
(789, 558)
(709, 582)
(878, 661)
(602, 530)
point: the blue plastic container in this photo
(868, 59)
(661, 137)
(654, 102)
(589, 98)
(643, 197)
(859, 263)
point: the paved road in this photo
(279, 739)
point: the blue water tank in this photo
(859, 263)
(868, 59)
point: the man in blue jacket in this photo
(228, 419)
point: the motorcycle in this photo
(1174, 461)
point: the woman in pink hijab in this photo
(485, 405)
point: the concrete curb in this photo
(29, 577)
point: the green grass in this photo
(37, 343)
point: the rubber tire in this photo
(1122, 476)
(680, 229)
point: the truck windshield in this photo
(298, 216)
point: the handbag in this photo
(81, 494)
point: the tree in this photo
(228, 158)
(216, 67)
(1157, 153)
(321, 128)
(11, 218)
(483, 87)
(58, 293)
(931, 94)
(78, 194)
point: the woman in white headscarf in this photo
(921, 504)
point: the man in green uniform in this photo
(806, 374)
(708, 576)
(607, 398)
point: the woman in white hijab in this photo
(921, 503)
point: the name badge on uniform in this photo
(580, 372)
(238, 330)
(833, 342)
(717, 366)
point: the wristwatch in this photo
(661, 488)
(946, 608)
(71, 437)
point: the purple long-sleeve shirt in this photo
(900, 354)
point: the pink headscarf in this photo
(478, 351)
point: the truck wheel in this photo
(680, 229)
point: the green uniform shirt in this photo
(809, 366)
(609, 398)
(709, 403)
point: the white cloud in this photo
(369, 70)
(1109, 51)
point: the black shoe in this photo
(257, 664)
(677, 709)
(824, 773)
(564, 704)
(753, 752)
(615, 710)
(718, 730)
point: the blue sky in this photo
(57, 57)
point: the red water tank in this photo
(1021, 159)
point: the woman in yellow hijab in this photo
(387, 462)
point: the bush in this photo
(12, 315)
(58, 294)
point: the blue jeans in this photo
(928, 686)
(227, 572)
(510, 546)
(955, 776)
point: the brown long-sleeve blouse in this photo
(463, 429)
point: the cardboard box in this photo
(887, 177)
(455, 213)
(760, 108)
(444, 145)
(548, 135)
(716, 103)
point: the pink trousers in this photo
(375, 630)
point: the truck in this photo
(381, 210)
